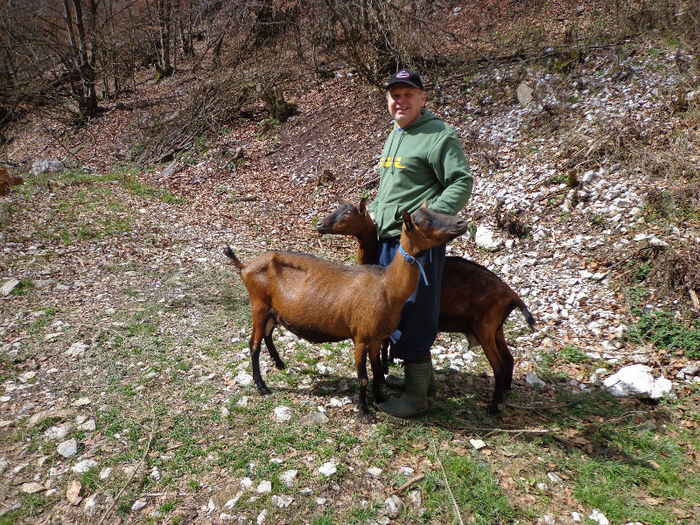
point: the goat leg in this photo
(255, 361)
(377, 374)
(506, 356)
(362, 379)
(273, 352)
(495, 358)
(385, 356)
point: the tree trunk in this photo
(83, 51)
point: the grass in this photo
(665, 331)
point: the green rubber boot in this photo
(414, 400)
(399, 383)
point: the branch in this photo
(138, 467)
(447, 483)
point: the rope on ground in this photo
(138, 467)
(447, 482)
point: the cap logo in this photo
(402, 74)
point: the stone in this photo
(485, 239)
(637, 381)
(328, 468)
(68, 448)
(314, 418)
(46, 166)
(598, 517)
(282, 501)
(105, 473)
(84, 466)
(532, 379)
(393, 506)
(88, 426)
(283, 413)
(477, 443)
(689, 372)
(90, 505)
(76, 350)
(243, 379)
(288, 477)
(375, 472)
(8, 286)
(138, 505)
(55, 433)
(261, 517)
(524, 93)
(264, 487)
(32, 487)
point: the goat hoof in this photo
(495, 408)
(367, 418)
(264, 390)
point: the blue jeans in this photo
(418, 328)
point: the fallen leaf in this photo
(73, 492)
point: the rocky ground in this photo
(122, 328)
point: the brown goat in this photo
(474, 301)
(323, 301)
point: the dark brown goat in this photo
(322, 301)
(474, 301)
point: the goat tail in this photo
(229, 253)
(528, 316)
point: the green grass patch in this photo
(665, 331)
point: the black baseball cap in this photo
(405, 76)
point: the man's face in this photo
(405, 103)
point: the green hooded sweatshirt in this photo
(425, 161)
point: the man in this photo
(422, 160)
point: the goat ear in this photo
(407, 221)
(363, 206)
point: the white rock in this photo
(244, 379)
(242, 402)
(84, 466)
(90, 505)
(261, 517)
(577, 517)
(282, 501)
(47, 165)
(374, 471)
(637, 381)
(328, 468)
(393, 506)
(486, 240)
(264, 487)
(283, 413)
(532, 379)
(477, 443)
(32, 487)
(598, 517)
(138, 505)
(8, 286)
(155, 474)
(76, 350)
(246, 483)
(68, 448)
(105, 472)
(57, 432)
(88, 426)
(288, 477)
(524, 94)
